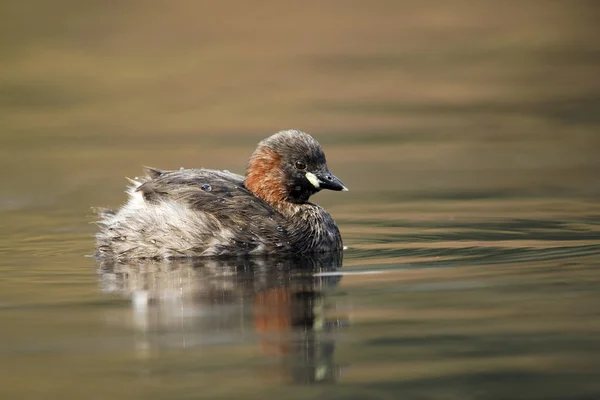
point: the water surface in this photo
(467, 134)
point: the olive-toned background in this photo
(467, 132)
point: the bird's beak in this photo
(327, 180)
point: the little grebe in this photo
(203, 212)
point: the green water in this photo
(467, 134)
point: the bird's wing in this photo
(220, 205)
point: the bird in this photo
(205, 212)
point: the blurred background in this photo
(467, 132)
(463, 95)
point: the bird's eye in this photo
(300, 165)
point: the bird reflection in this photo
(281, 303)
